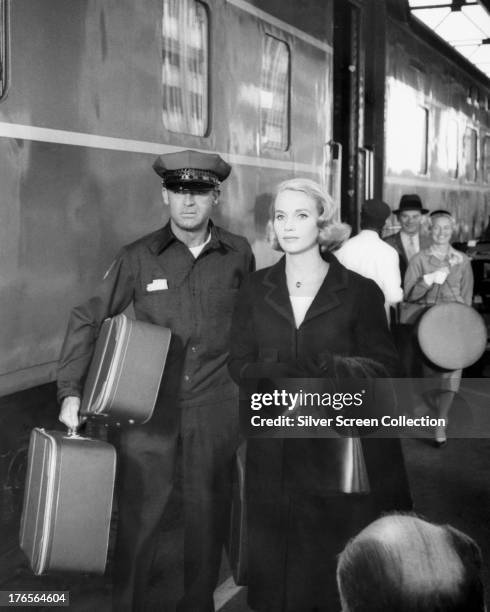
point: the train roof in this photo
(400, 11)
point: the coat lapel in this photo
(401, 248)
(277, 295)
(328, 297)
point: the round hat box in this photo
(452, 335)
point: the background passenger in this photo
(408, 241)
(439, 274)
(371, 257)
(405, 564)
(309, 316)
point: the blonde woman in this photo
(309, 316)
(438, 274)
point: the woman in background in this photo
(434, 275)
(308, 316)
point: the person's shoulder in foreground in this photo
(404, 563)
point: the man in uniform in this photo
(184, 276)
(408, 241)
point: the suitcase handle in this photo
(73, 432)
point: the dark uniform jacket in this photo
(193, 297)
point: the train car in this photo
(437, 126)
(92, 91)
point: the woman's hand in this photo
(438, 277)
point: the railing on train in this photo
(368, 172)
(333, 172)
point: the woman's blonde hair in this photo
(331, 234)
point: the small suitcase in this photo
(236, 545)
(125, 373)
(67, 502)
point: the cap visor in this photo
(189, 186)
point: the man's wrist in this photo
(68, 392)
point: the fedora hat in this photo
(410, 201)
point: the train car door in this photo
(348, 110)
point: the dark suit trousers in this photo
(206, 435)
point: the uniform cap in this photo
(411, 201)
(191, 170)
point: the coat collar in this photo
(165, 236)
(452, 258)
(326, 299)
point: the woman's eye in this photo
(303, 216)
(279, 217)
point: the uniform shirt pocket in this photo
(161, 306)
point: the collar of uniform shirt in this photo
(164, 237)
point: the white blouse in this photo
(300, 305)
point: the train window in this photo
(407, 130)
(421, 139)
(185, 56)
(486, 159)
(451, 153)
(470, 154)
(274, 94)
(4, 48)
(473, 96)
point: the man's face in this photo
(190, 210)
(410, 221)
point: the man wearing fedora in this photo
(184, 276)
(370, 256)
(408, 241)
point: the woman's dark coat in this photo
(296, 524)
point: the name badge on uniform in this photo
(157, 285)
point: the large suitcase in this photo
(236, 544)
(67, 502)
(126, 369)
